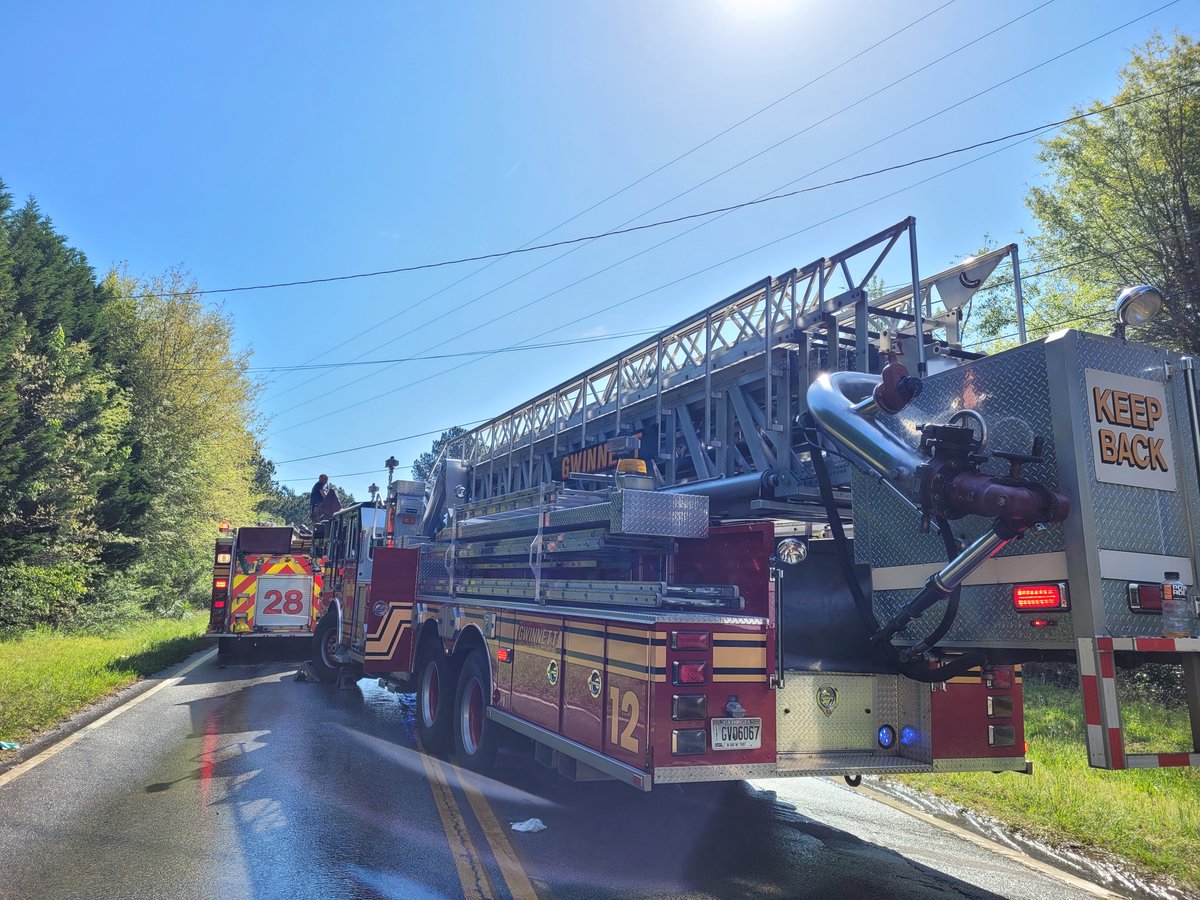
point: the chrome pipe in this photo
(980, 551)
(842, 405)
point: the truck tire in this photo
(435, 697)
(476, 737)
(324, 640)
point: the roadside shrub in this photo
(52, 595)
(1158, 683)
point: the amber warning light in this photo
(1030, 597)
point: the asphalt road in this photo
(238, 781)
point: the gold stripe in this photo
(388, 630)
(631, 632)
(383, 651)
(583, 643)
(635, 659)
(637, 676)
(740, 678)
(739, 658)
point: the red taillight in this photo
(690, 672)
(408, 520)
(998, 677)
(689, 640)
(1146, 597)
(1039, 596)
(504, 654)
(219, 584)
(218, 604)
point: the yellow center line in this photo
(471, 871)
(518, 882)
(19, 770)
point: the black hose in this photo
(904, 664)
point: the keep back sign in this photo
(1131, 432)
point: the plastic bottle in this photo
(1176, 616)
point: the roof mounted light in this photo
(1136, 306)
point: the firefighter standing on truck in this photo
(317, 496)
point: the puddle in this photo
(1091, 864)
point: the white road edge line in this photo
(18, 770)
(994, 846)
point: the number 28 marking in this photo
(278, 603)
(628, 704)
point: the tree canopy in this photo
(1118, 205)
(129, 425)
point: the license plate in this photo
(736, 734)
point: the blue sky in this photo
(253, 143)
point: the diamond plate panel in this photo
(985, 616)
(664, 515)
(864, 702)
(682, 774)
(850, 764)
(1120, 619)
(1129, 518)
(1011, 392)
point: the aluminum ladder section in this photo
(716, 396)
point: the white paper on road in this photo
(529, 825)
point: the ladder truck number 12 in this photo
(804, 531)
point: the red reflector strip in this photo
(690, 672)
(1037, 596)
(689, 640)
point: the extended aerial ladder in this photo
(716, 397)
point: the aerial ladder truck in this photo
(804, 531)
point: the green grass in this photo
(1150, 816)
(45, 676)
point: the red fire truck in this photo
(264, 585)
(802, 532)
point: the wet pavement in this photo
(239, 781)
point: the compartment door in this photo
(283, 601)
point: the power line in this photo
(625, 227)
(717, 214)
(406, 437)
(847, 61)
(660, 287)
(577, 244)
(402, 359)
(1016, 137)
(343, 475)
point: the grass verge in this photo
(1149, 816)
(45, 676)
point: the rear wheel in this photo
(475, 735)
(324, 642)
(435, 697)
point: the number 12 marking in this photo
(629, 704)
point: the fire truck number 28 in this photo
(628, 704)
(279, 603)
